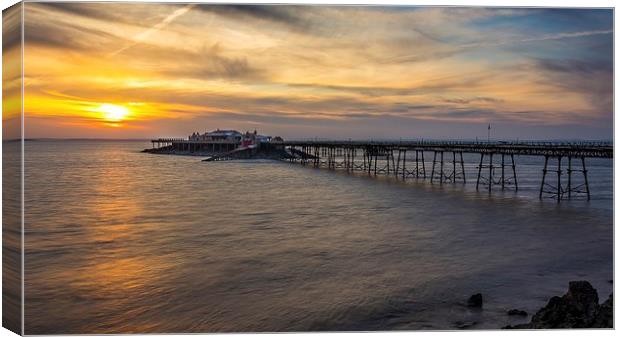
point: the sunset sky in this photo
(139, 70)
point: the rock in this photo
(517, 312)
(475, 301)
(578, 308)
(605, 316)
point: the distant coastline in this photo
(84, 139)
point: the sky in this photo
(144, 70)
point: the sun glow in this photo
(113, 113)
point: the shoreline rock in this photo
(475, 301)
(517, 312)
(578, 308)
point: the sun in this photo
(112, 112)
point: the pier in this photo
(497, 167)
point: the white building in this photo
(229, 136)
(218, 136)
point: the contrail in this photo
(548, 37)
(165, 22)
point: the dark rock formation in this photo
(578, 308)
(517, 312)
(605, 315)
(475, 301)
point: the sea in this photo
(119, 241)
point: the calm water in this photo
(121, 241)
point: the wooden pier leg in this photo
(325, 156)
(559, 187)
(490, 171)
(423, 165)
(342, 153)
(397, 163)
(376, 159)
(441, 168)
(585, 176)
(417, 170)
(479, 170)
(462, 167)
(329, 158)
(570, 173)
(349, 161)
(514, 172)
(433, 170)
(352, 159)
(503, 177)
(404, 164)
(317, 155)
(542, 184)
(454, 167)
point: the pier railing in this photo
(597, 149)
